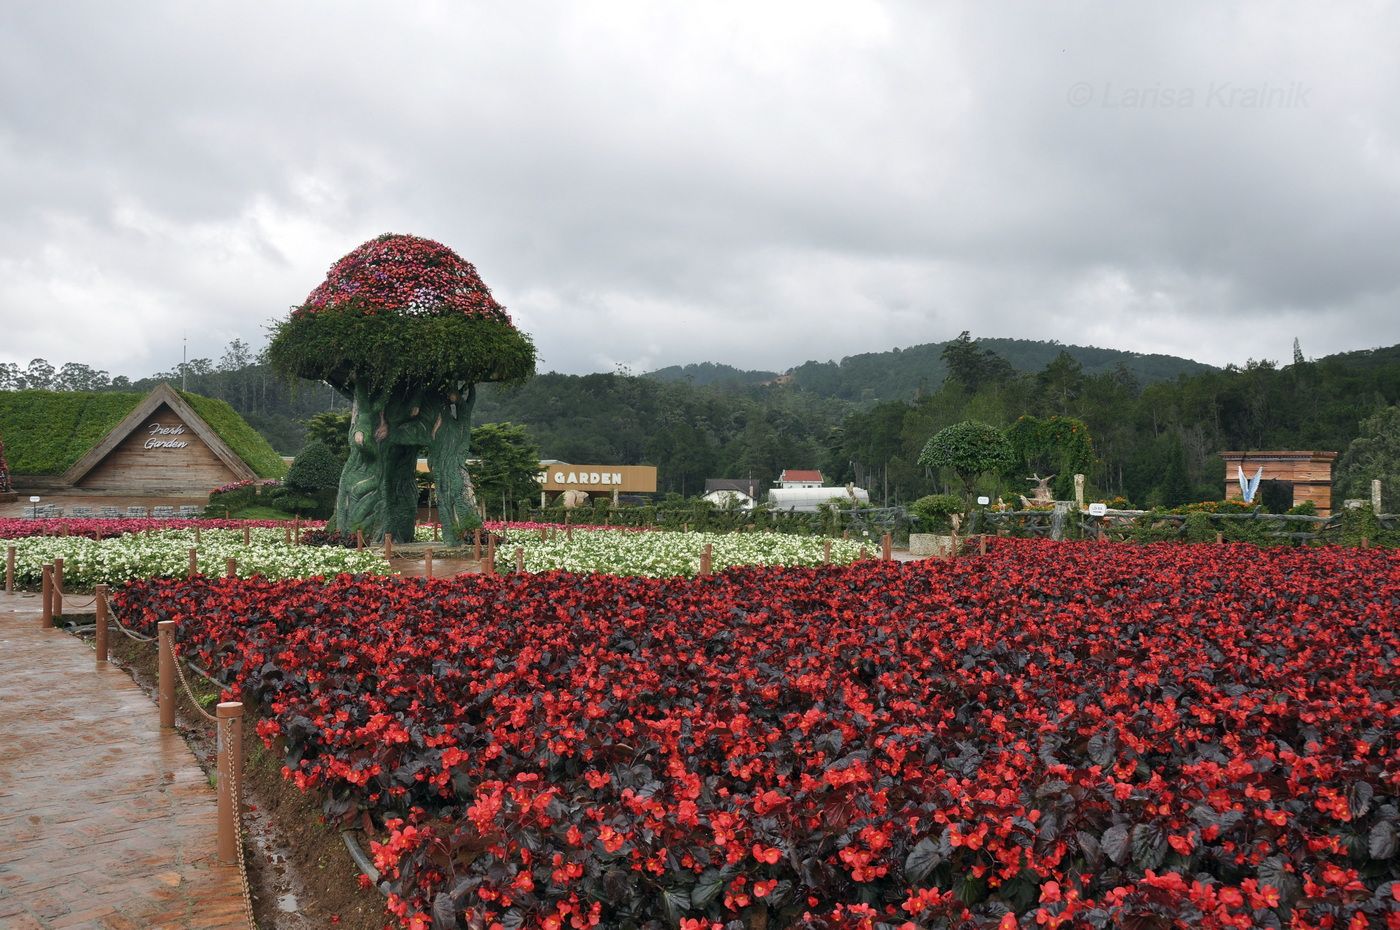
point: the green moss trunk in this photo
(378, 490)
(449, 447)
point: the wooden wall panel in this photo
(1310, 473)
(149, 461)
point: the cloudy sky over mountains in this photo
(755, 183)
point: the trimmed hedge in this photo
(357, 343)
(46, 432)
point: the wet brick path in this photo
(106, 823)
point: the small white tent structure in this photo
(809, 500)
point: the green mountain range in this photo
(902, 374)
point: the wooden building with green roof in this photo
(167, 443)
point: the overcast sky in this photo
(756, 183)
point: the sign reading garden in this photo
(405, 329)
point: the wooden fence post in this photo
(230, 767)
(247, 536)
(1219, 537)
(490, 564)
(885, 545)
(196, 534)
(10, 570)
(826, 552)
(476, 545)
(861, 558)
(982, 543)
(231, 568)
(194, 564)
(359, 539)
(388, 545)
(46, 598)
(286, 534)
(707, 560)
(103, 650)
(520, 558)
(428, 564)
(544, 534)
(165, 637)
(57, 588)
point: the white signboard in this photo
(161, 437)
(1098, 510)
(984, 500)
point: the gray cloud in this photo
(759, 184)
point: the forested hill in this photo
(1155, 441)
(1155, 437)
(902, 374)
(707, 374)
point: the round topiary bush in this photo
(935, 510)
(970, 449)
(311, 483)
(314, 470)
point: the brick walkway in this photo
(106, 823)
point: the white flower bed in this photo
(663, 554)
(165, 554)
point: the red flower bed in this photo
(1054, 735)
(98, 528)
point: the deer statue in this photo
(1041, 494)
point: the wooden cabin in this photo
(165, 443)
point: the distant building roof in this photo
(749, 486)
(798, 474)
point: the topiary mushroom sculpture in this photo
(405, 329)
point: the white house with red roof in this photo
(800, 478)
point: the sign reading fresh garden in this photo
(159, 437)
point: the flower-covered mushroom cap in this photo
(406, 274)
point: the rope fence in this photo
(227, 721)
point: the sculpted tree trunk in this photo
(406, 427)
(449, 446)
(378, 491)
(359, 503)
